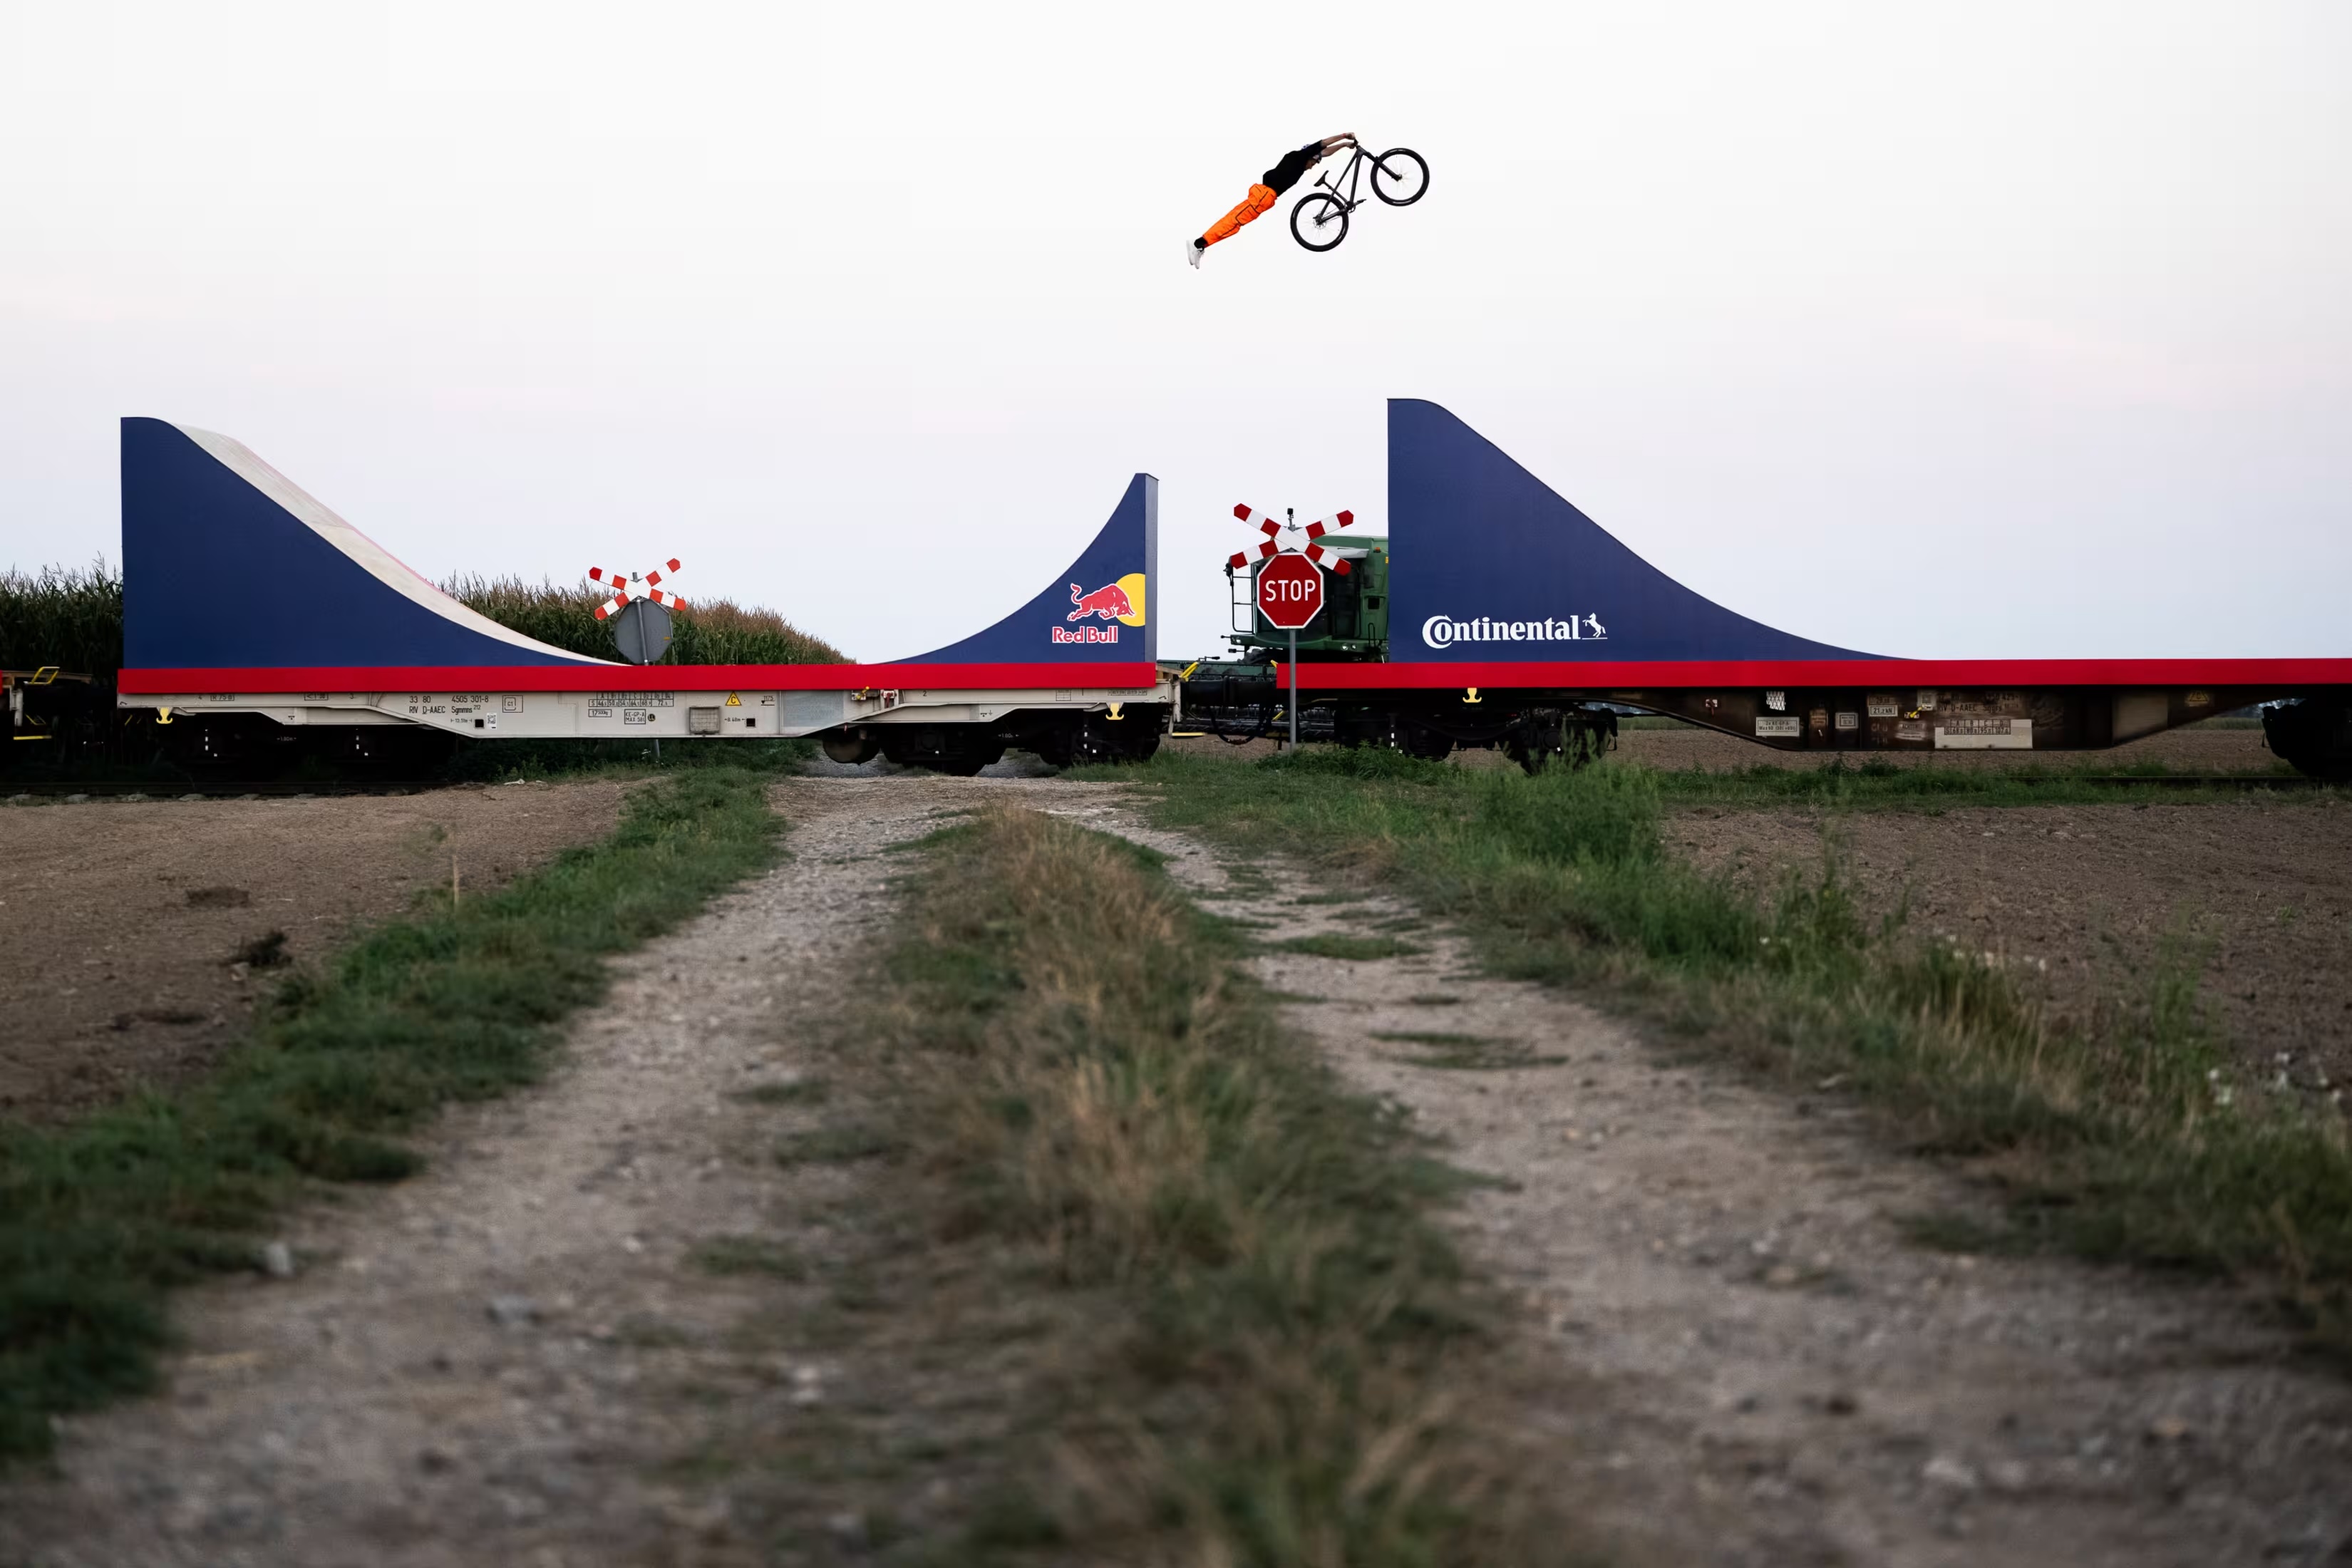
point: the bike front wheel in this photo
(1400, 177)
(1319, 221)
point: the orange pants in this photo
(1260, 199)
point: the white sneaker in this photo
(1195, 250)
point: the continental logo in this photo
(1445, 631)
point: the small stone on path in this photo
(512, 1311)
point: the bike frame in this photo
(1353, 177)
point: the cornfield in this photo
(72, 617)
(64, 616)
(708, 631)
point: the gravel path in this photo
(1745, 1361)
(512, 1360)
(505, 1360)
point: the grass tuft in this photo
(1290, 1352)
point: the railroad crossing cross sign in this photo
(1302, 539)
(1289, 592)
(640, 619)
(619, 583)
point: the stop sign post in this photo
(1290, 594)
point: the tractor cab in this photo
(1353, 625)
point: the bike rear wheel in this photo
(1400, 177)
(1319, 220)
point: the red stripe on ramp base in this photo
(1600, 677)
(643, 678)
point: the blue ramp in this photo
(228, 565)
(1493, 565)
(1094, 612)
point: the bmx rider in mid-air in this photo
(1262, 196)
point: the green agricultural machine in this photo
(1241, 699)
(1353, 626)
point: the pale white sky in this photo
(1944, 330)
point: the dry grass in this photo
(1288, 1364)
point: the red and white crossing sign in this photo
(619, 583)
(1302, 539)
(1290, 591)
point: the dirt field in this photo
(2084, 899)
(122, 923)
(2195, 749)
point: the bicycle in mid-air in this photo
(1319, 220)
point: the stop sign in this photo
(1289, 592)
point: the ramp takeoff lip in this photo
(227, 564)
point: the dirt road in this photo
(1781, 1378)
(513, 1358)
(517, 1359)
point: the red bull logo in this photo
(1120, 602)
(1108, 602)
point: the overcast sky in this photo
(1967, 329)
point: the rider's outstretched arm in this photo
(1333, 143)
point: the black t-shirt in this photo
(1287, 173)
